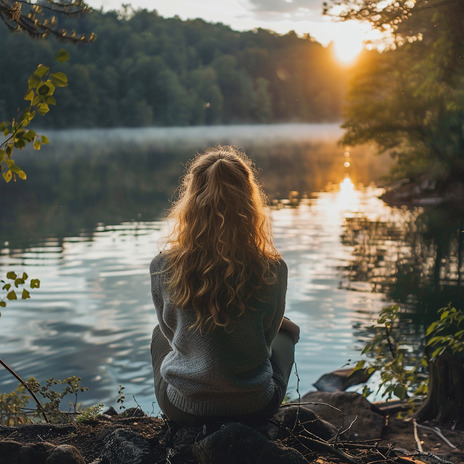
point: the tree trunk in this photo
(445, 400)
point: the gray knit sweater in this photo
(214, 374)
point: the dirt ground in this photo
(398, 435)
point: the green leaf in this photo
(44, 140)
(3, 304)
(35, 283)
(42, 108)
(22, 175)
(37, 145)
(25, 295)
(29, 95)
(25, 276)
(62, 56)
(11, 275)
(19, 282)
(7, 176)
(33, 81)
(6, 286)
(41, 70)
(12, 295)
(59, 79)
(359, 365)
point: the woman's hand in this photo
(288, 326)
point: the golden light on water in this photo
(348, 196)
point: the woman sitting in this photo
(222, 350)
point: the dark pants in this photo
(281, 360)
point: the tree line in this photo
(144, 70)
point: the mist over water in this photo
(88, 221)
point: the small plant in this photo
(121, 397)
(403, 376)
(12, 407)
(14, 410)
(89, 414)
(400, 374)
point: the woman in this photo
(219, 292)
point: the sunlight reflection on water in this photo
(93, 314)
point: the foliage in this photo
(403, 376)
(13, 406)
(409, 100)
(40, 94)
(89, 414)
(14, 284)
(447, 333)
(400, 375)
(172, 72)
(33, 17)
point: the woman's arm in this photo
(288, 326)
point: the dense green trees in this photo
(410, 99)
(147, 70)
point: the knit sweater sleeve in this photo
(158, 293)
(274, 326)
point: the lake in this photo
(88, 221)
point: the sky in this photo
(282, 16)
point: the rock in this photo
(125, 446)
(133, 412)
(353, 414)
(295, 418)
(9, 452)
(110, 412)
(12, 452)
(65, 454)
(237, 443)
(342, 379)
(35, 453)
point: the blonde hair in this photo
(220, 250)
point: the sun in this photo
(346, 51)
(348, 41)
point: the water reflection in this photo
(88, 226)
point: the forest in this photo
(145, 70)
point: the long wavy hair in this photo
(220, 250)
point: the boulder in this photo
(9, 452)
(237, 443)
(125, 446)
(349, 412)
(65, 454)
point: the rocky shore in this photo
(322, 427)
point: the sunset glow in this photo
(346, 51)
(348, 40)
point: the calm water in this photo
(88, 226)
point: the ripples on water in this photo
(93, 314)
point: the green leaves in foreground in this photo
(401, 374)
(447, 333)
(42, 84)
(14, 287)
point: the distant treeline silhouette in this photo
(147, 70)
